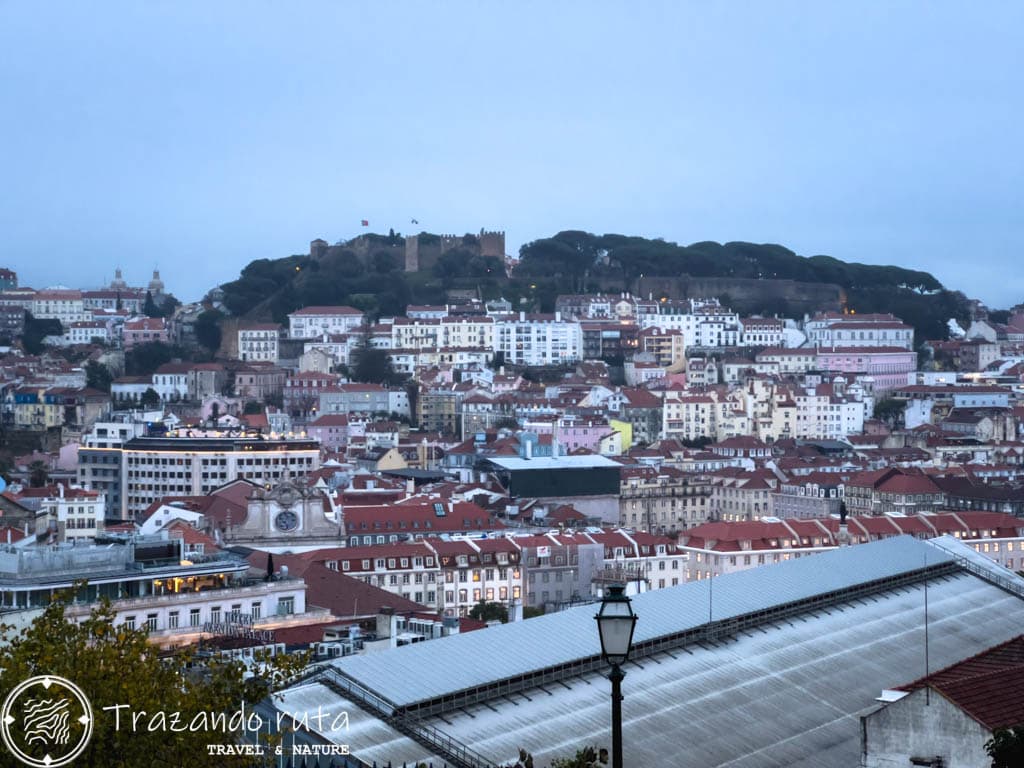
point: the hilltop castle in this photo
(416, 252)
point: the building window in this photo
(193, 617)
(129, 622)
(151, 622)
(215, 614)
(172, 620)
(285, 606)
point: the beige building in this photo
(663, 500)
(742, 495)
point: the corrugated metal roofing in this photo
(790, 695)
(425, 671)
(341, 722)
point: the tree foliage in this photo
(485, 611)
(38, 474)
(574, 261)
(150, 398)
(144, 359)
(114, 665)
(1006, 747)
(98, 376)
(38, 329)
(373, 366)
(208, 332)
(890, 411)
(149, 307)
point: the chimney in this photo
(387, 626)
(528, 448)
(410, 487)
(451, 625)
(515, 611)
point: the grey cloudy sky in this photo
(200, 136)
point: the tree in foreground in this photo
(1006, 747)
(114, 666)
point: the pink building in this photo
(888, 366)
(145, 330)
(331, 430)
(574, 434)
(302, 391)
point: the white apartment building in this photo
(824, 416)
(259, 343)
(85, 331)
(410, 570)
(60, 304)
(442, 333)
(79, 513)
(702, 323)
(155, 467)
(409, 361)
(72, 513)
(313, 322)
(691, 416)
(790, 360)
(762, 332)
(170, 381)
(528, 339)
(833, 330)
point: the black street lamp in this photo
(615, 624)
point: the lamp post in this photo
(615, 624)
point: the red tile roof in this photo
(988, 687)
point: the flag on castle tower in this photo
(366, 223)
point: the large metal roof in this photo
(425, 671)
(788, 693)
(789, 696)
(554, 462)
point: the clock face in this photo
(286, 521)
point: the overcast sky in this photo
(199, 136)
